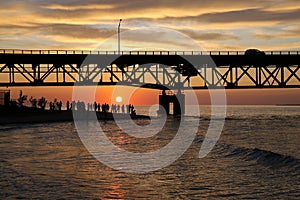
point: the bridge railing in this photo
(95, 52)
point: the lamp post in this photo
(119, 39)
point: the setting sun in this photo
(119, 99)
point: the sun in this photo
(119, 99)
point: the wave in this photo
(266, 158)
(247, 118)
(13, 127)
(24, 126)
(255, 156)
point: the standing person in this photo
(123, 108)
(95, 106)
(78, 105)
(83, 106)
(128, 108)
(73, 105)
(104, 110)
(99, 106)
(107, 107)
(59, 105)
(112, 108)
(55, 104)
(68, 105)
(118, 108)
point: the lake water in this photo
(256, 157)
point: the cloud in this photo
(77, 31)
(210, 36)
(263, 36)
(94, 10)
(249, 15)
(289, 32)
(215, 23)
(67, 30)
(135, 5)
(252, 15)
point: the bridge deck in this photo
(220, 58)
(215, 68)
(95, 52)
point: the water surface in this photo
(257, 156)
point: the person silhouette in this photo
(123, 108)
(98, 106)
(68, 105)
(95, 106)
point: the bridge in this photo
(150, 69)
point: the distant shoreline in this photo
(287, 105)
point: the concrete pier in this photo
(177, 100)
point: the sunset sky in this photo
(212, 24)
(215, 24)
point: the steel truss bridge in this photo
(150, 69)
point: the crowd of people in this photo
(55, 105)
(76, 106)
(114, 108)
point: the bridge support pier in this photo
(177, 100)
(5, 97)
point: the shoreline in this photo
(288, 105)
(50, 116)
